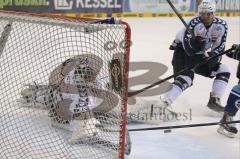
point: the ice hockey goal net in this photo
(63, 87)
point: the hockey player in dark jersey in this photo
(209, 39)
(233, 102)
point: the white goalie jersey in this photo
(72, 91)
(75, 100)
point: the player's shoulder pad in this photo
(220, 21)
(193, 22)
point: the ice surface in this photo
(151, 39)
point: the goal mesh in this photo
(43, 114)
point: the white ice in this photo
(151, 39)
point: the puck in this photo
(167, 131)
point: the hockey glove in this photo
(198, 44)
(210, 54)
(236, 48)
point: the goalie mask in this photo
(83, 73)
(76, 71)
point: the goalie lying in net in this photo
(73, 93)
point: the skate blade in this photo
(169, 115)
(170, 110)
(222, 131)
(212, 113)
(217, 110)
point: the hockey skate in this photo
(214, 104)
(167, 110)
(228, 130)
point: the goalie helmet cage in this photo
(32, 49)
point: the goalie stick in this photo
(184, 126)
(130, 94)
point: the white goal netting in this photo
(63, 88)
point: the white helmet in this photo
(208, 6)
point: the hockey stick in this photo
(130, 94)
(184, 126)
(184, 23)
(180, 17)
(4, 36)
